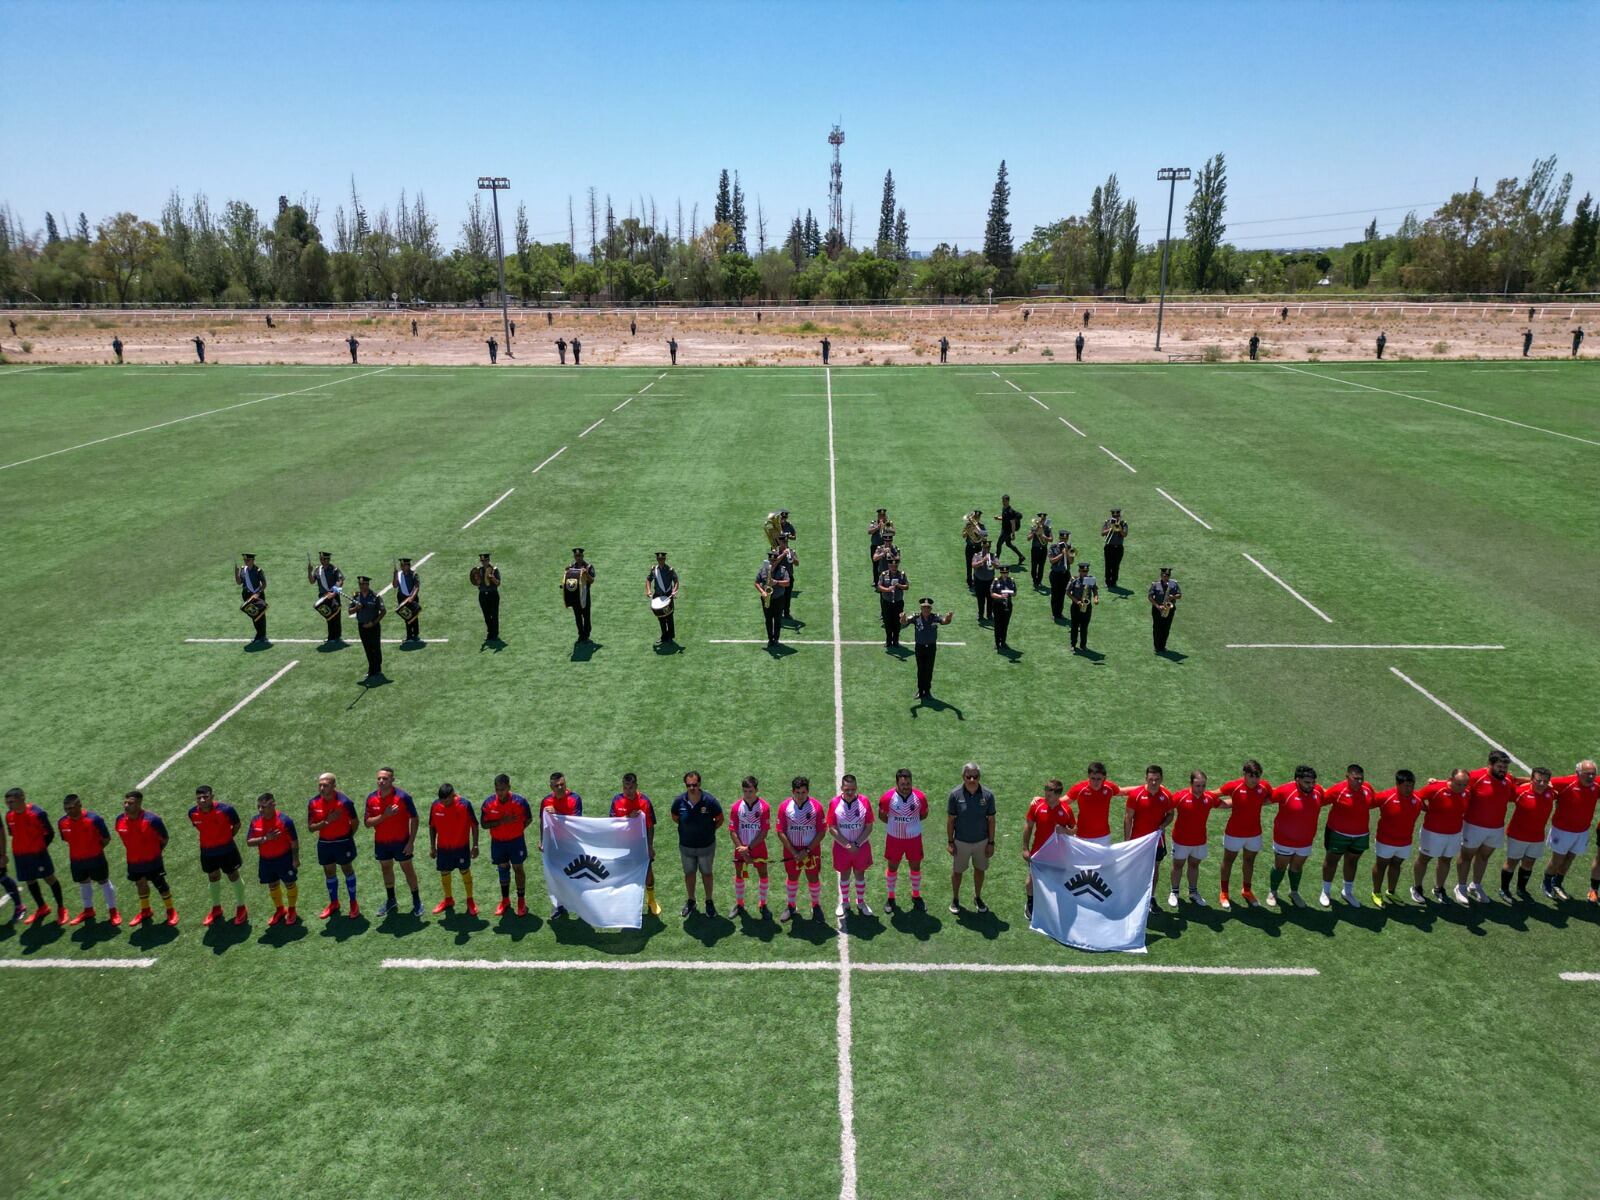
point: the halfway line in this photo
(1289, 589)
(801, 642)
(80, 964)
(1489, 741)
(217, 724)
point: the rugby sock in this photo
(1523, 875)
(110, 893)
(449, 888)
(861, 890)
(350, 886)
(238, 891)
(37, 894)
(294, 895)
(10, 886)
(55, 890)
(466, 882)
(844, 889)
(389, 892)
(1549, 880)
(86, 890)
(761, 889)
(1327, 887)
(214, 886)
(504, 871)
(276, 893)
(1294, 879)
(166, 898)
(816, 891)
(1275, 877)
(791, 889)
(416, 899)
(1505, 879)
(916, 884)
(333, 888)
(738, 889)
(889, 878)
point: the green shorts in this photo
(1335, 842)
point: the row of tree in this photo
(1515, 238)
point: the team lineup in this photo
(1464, 821)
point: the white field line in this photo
(1522, 370)
(661, 964)
(1072, 427)
(1358, 646)
(1458, 408)
(549, 460)
(21, 370)
(592, 428)
(1489, 741)
(623, 405)
(1120, 460)
(389, 587)
(1289, 589)
(802, 642)
(216, 725)
(1006, 381)
(79, 964)
(845, 1019)
(193, 417)
(1111, 968)
(651, 964)
(1581, 976)
(488, 510)
(293, 640)
(1040, 403)
(1195, 517)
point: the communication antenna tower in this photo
(836, 192)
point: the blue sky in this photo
(1355, 109)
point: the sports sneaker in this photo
(35, 916)
(1505, 895)
(355, 909)
(139, 919)
(816, 912)
(1349, 898)
(788, 914)
(1437, 895)
(1549, 890)
(1417, 896)
(1272, 899)
(766, 913)
(1299, 900)
(655, 907)
(1523, 893)
(1223, 902)
(61, 915)
(1172, 899)
(1027, 908)
(1459, 895)
(864, 909)
(276, 918)
(955, 906)
(1197, 900)
(739, 910)
(711, 908)
(1475, 892)
(1249, 898)
(978, 904)
(213, 916)
(1323, 898)
(444, 906)
(416, 910)
(838, 909)
(1391, 898)
(385, 909)
(500, 909)
(1594, 895)
(472, 908)
(115, 917)
(1560, 893)
(688, 910)
(172, 917)
(522, 907)
(83, 918)
(560, 911)
(1377, 900)
(333, 907)
(291, 917)
(241, 915)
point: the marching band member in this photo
(1164, 595)
(329, 582)
(407, 586)
(367, 607)
(252, 581)
(576, 581)
(772, 585)
(486, 578)
(1039, 547)
(662, 580)
(1084, 593)
(1061, 556)
(973, 532)
(1114, 532)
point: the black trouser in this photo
(1078, 637)
(1252, 354)
(489, 602)
(1380, 350)
(336, 627)
(873, 555)
(352, 354)
(1113, 564)
(1039, 558)
(370, 635)
(1525, 345)
(1010, 539)
(971, 548)
(580, 619)
(414, 630)
(1160, 626)
(1058, 592)
(982, 586)
(200, 351)
(787, 598)
(494, 353)
(943, 354)
(576, 356)
(925, 656)
(772, 614)
(1079, 350)
(669, 628)
(260, 622)
(824, 356)
(1002, 621)
(674, 357)
(891, 622)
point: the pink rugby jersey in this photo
(800, 823)
(751, 821)
(903, 815)
(850, 817)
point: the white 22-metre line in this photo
(215, 725)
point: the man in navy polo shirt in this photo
(698, 816)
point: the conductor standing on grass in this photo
(969, 833)
(116, 348)
(561, 349)
(367, 607)
(672, 349)
(200, 348)
(354, 346)
(1383, 340)
(1077, 346)
(828, 346)
(577, 352)
(494, 349)
(1255, 344)
(925, 633)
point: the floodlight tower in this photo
(494, 185)
(1172, 175)
(836, 192)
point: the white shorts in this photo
(1476, 836)
(1564, 842)
(1383, 850)
(1439, 845)
(1291, 851)
(1252, 844)
(1516, 849)
(1103, 840)
(1181, 853)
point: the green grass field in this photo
(1437, 1053)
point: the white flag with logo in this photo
(595, 867)
(1093, 897)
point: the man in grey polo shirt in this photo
(698, 816)
(969, 828)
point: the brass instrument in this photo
(1039, 531)
(1113, 527)
(773, 528)
(1165, 609)
(972, 528)
(475, 576)
(1081, 600)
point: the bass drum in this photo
(661, 606)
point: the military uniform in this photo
(774, 576)
(1163, 591)
(1082, 589)
(494, 350)
(561, 349)
(1061, 556)
(1039, 550)
(1255, 344)
(408, 585)
(892, 584)
(354, 346)
(368, 610)
(1115, 533)
(663, 581)
(1002, 594)
(577, 352)
(1077, 346)
(116, 348)
(944, 349)
(200, 348)
(672, 349)
(253, 583)
(489, 598)
(578, 595)
(326, 577)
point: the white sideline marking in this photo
(1522, 370)
(1113, 968)
(80, 964)
(847, 1086)
(216, 725)
(549, 460)
(1489, 741)
(624, 404)
(651, 964)
(194, 417)
(1358, 646)
(389, 587)
(801, 642)
(22, 370)
(1581, 976)
(231, 641)
(1072, 427)
(592, 428)
(488, 510)
(1289, 589)
(1120, 460)
(1040, 403)
(1187, 512)
(1458, 408)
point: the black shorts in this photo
(336, 852)
(146, 871)
(223, 858)
(90, 870)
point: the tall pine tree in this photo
(722, 213)
(736, 217)
(902, 238)
(886, 217)
(813, 236)
(51, 233)
(997, 230)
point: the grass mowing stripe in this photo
(1458, 408)
(1288, 589)
(1489, 741)
(1186, 512)
(217, 724)
(586, 964)
(191, 417)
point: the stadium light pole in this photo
(494, 185)
(1172, 175)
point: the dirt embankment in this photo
(767, 337)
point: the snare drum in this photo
(253, 608)
(407, 610)
(328, 606)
